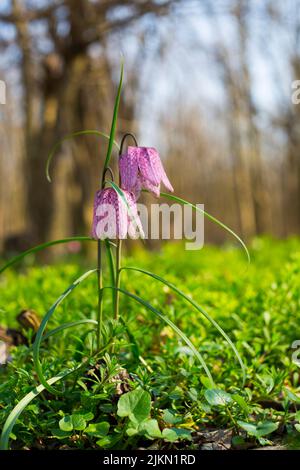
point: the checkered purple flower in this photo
(141, 167)
(113, 218)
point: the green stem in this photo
(232, 419)
(119, 242)
(100, 293)
(118, 276)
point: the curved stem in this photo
(128, 134)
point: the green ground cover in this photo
(146, 388)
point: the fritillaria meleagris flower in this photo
(141, 167)
(113, 218)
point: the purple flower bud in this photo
(141, 167)
(113, 218)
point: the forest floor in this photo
(148, 390)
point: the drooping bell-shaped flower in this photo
(141, 167)
(113, 218)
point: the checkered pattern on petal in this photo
(141, 167)
(112, 216)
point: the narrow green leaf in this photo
(210, 217)
(291, 395)
(15, 413)
(114, 119)
(134, 346)
(197, 307)
(173, 326)
(65, 326)
(37, 248)
(241, 402)
(38, 339)
(70, 137)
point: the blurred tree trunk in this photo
(56, 88)
(240, 164)
(292, 127)
(259, 188)
(27, 72)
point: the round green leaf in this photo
(66, 424)
(151, 428)
(79, 423)
(265, 428)
(217, 397)
(136, 405)
(98, 429)
(169, 435)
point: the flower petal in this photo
(110, 215)
(153, 188)
(122, 219)
(97, 202)
(159, 169)
(135, 228)
(166, 181)
(128, 167)
(147, 163)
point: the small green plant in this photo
(140, 169)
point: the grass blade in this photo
(114, 119)
(177, 330)
(70, 137)
(37, 248)
(133, 344)
(38, 339)
(210, 217)
(197, 307)
(15, 413)
(65, 326)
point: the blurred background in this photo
(207, 82)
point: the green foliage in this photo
(259, 430)
(217, 397)
(136, 405)
(166, 397)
